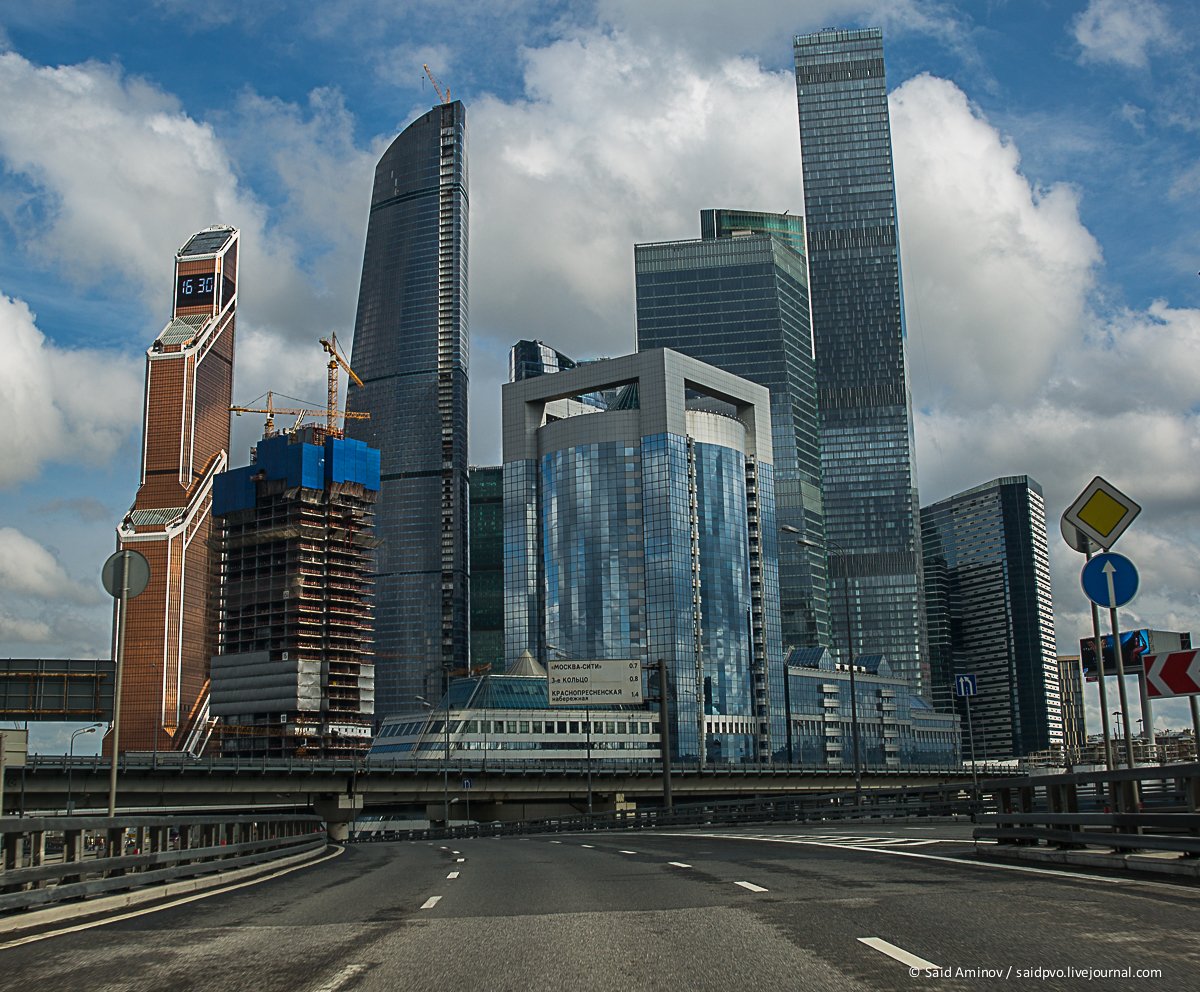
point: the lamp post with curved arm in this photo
(71, 761)
(445, 757)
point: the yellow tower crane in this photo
(271, 410)
(335, 360)
(444, 97)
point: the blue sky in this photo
(1048, 165)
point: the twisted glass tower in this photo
(868, 472)
(410, 350)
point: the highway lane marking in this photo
(167, 905)
(453, 874)
(431, 902)
(556, 842)
(751, 886)
(456, 852)
(459, 861)
(898, 953)
(627, 852)
(678, 864)
(589, 846)
(1074, 876)
(347, 974)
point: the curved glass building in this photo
(411, 351)
(647, 531)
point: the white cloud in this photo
(1123, 32)
(60, 404)
(29, 569)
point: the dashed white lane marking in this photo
(459, 861)
(591, 847)
(456, 852)
(678, 864)
(627, 852)
(751, 886)
(431, 902)
(453, 874)
(342, 978)
(898, 953)
(556, 842)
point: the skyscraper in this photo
(988, 573)
(647, 531)
(487, 567)
(411, 352)
(738, 299)
(867, 469)
(293, 672)
(169, 632)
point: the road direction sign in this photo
(1102, 512)
(593, 681)
(1176, 673)
(965, 685)
(1109, 580)
(467, 783)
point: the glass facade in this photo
(988, 575)
(487, 567)
(738, 299)
(411, 351)
(622, 541)
(867, 467)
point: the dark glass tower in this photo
(988, 574)
(869, 476)
(410, 349)
(738, 299)
(487, 568)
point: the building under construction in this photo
(293, 535)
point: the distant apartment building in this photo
(737, 298)
(1071, 683)
(294, 674)
(170, 628)
(987, 571)
(647, 530)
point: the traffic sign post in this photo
(1102, 512)
(966, 686)
(125, 574)
(1109, 580)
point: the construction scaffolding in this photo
(294, 673)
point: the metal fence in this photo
(1152, 808)
(45, 860)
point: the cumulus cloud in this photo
(29, 569)
(59, 403)
(1123, 32)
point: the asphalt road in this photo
(731, 910)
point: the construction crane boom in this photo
(444, 97)
(336, 360)
(271, 410)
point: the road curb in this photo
(24, 922)
(1174, 866)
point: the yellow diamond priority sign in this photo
(1102, 512)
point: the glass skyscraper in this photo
(647, 531)
(868, 472)
(487, 568)
(988, 574)
(411, 351)
(738, 299)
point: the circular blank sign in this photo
(128, 569)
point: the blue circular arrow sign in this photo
(1109, 580)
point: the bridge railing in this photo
(876, 804)
(50, 859)
(1152, 808)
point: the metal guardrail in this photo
(937, 801)
(44, 860)
(1153, 808)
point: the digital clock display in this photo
(195, 291)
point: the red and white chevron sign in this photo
(1173, 674)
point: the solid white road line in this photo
(751, 886)
(678, 864)
(898, 953)
(453, 874)
(342, 978)
(167, 905)
(431, 902)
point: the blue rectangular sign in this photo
(964, 685)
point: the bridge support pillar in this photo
(338, 811)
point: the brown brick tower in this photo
(170, 631)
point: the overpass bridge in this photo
(338, 789)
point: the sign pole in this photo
(971, 735)
(1124, 694)
(587, 715)
(1, 774)
(122, 609)
(1195, 727)
(1100, 680)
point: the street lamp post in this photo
(71, 761)
(836, 550)
(445, 757)
(587, 716)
